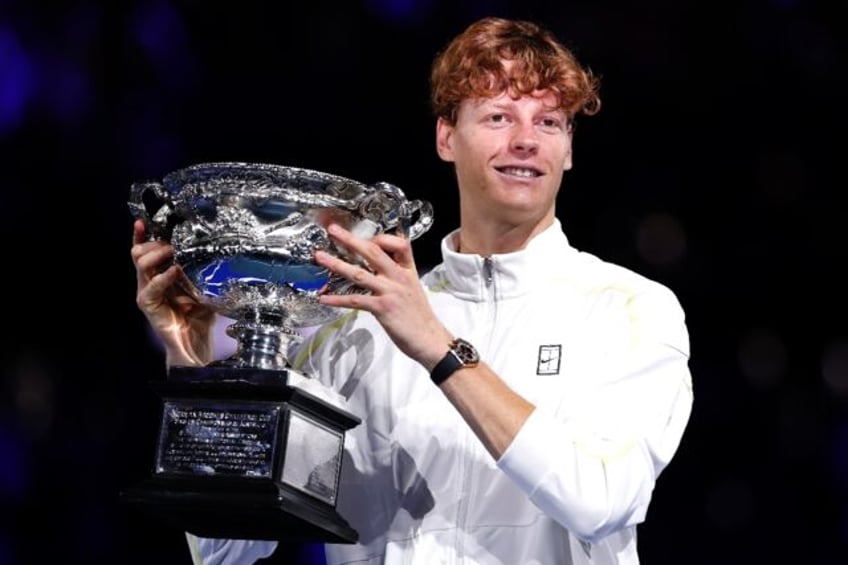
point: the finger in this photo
(398, 248)
(367, 249)
(150, 259)
(356, 301)
(139, 235)
(355, 273)
(346, 238)
(152, 294)
(186, 284)
(149, 254)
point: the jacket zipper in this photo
(488, 271)
(462, 511)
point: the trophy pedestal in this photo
(246, 453)
(247, 448)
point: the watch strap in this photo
(449, 364)
(460, 354)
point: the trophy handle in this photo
(149, 202)
(387, 206)
(425, 217)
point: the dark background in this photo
(713, 167)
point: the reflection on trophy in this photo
(248, 447)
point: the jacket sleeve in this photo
(593, 469)
(207, 551)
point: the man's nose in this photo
(525, 139)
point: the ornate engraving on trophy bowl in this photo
(249, 447)
(245, 235)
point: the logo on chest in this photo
(549, 359)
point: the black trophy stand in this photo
(244, 453)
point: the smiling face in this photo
(505, 93)
(509, 153)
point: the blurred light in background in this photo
(399, 11)
(835, 367)
(160, 32)
(762, 358)
(660, 239)
(17, 78)
(839, 458)
(13, 467)
(33, 383)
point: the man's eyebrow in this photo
(501, 105)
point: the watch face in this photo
(465, 351)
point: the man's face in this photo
(509, 155)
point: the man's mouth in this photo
(522, 172)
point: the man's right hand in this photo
(183, 324)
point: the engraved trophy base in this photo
(247, 453)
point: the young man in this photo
(520, 400)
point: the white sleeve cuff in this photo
(527, 459)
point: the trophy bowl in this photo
(245, 234)
(248, 447)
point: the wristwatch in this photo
(460, 354)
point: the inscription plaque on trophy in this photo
(247, 446)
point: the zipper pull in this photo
(488, 270)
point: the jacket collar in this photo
(507, 274)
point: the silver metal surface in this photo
(245, 234)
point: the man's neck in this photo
(486, 238)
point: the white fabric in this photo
(206, 551)
(417, 484)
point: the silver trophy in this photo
(248, 447)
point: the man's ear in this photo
(567, 162)
(444, 140)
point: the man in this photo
(520, 400)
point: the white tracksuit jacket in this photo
(602, 353)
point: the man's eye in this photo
(497, 118)
(551, 123)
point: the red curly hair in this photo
(472, 66)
